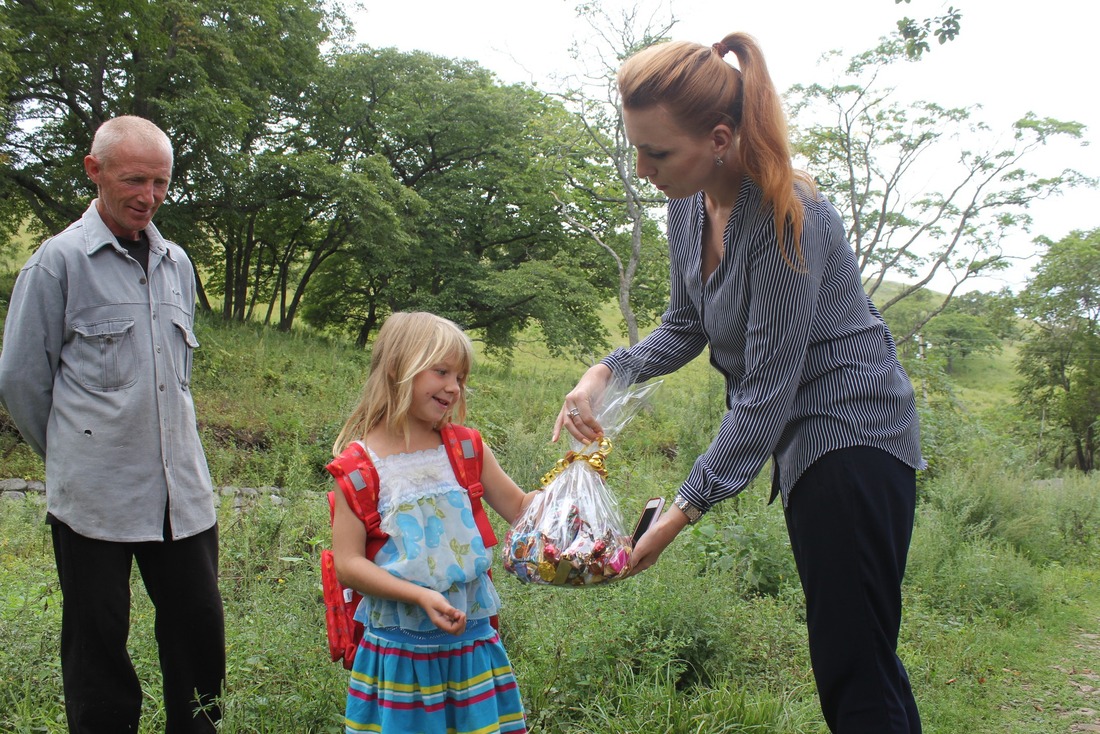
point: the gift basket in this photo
(572, 533)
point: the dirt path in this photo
(1087, 682)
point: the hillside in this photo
(1003, 587)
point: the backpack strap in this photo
(357, 479)
(466, 453)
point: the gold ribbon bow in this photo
(596, 460)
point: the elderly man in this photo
(96, 373)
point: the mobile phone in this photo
(649, 516)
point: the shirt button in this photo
(162, 388)
(143, 281)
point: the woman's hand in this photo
(659, 536)
(577, 415)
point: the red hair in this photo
(701, 91)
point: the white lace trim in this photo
(410, 476)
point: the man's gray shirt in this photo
(95, 371)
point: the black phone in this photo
(649, 516)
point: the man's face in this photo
(133, 181)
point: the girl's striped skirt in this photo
(411, 683)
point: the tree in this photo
(916, 33)
(12, 210)
(997, 311)
(869, 152)
(958, 335)
(217, 78)
(485, 245)
(204, 71)
(296, 209)
(972, 323)
(1060, 354)
(607, 202)
(295, 170)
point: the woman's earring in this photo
(718, 161)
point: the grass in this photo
(1002, 591)
(985, 382)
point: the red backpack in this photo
(357, 478)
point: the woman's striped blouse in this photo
(809, 364)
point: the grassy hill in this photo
(1002, 592)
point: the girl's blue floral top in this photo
(434, 541)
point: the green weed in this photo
(1002, 575)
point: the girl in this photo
(430, 661)
(763, 277)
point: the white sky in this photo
(1012, 57)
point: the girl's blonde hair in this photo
(406, 345)
(700, 90)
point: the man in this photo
(96, 373)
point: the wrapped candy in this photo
(572, 533)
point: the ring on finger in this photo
(573, 412)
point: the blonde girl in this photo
(430, 660)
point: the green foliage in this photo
(974, 580)
(1002, 572)
(578, 643)
(340, 184)
(643, 703)
(608, 204)
(750, 542)
(278, 670)
(484, 244)
(209, 74)
(270, 404)
(985, 533)
(1061, 385)
(867, 150)
(959, 335)
(916, 33)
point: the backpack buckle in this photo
(373, 522)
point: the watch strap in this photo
(693, 513)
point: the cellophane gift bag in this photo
(572, 533)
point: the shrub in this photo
(748, 540)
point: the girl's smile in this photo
(435, 391)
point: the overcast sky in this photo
(1011, 57)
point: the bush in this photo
(711, 639)
(691, 630)
(748, 540)
(1046, 521)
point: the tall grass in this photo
(1002, 576)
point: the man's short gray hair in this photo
(127, 127)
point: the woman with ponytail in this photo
(763, 276)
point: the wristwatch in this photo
(693, 513)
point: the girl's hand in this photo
(576, 414)
(443, 615)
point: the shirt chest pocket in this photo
(183, 351)
(107, 356)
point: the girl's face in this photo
(435, 391)
(675, 162)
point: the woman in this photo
(761, 273)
